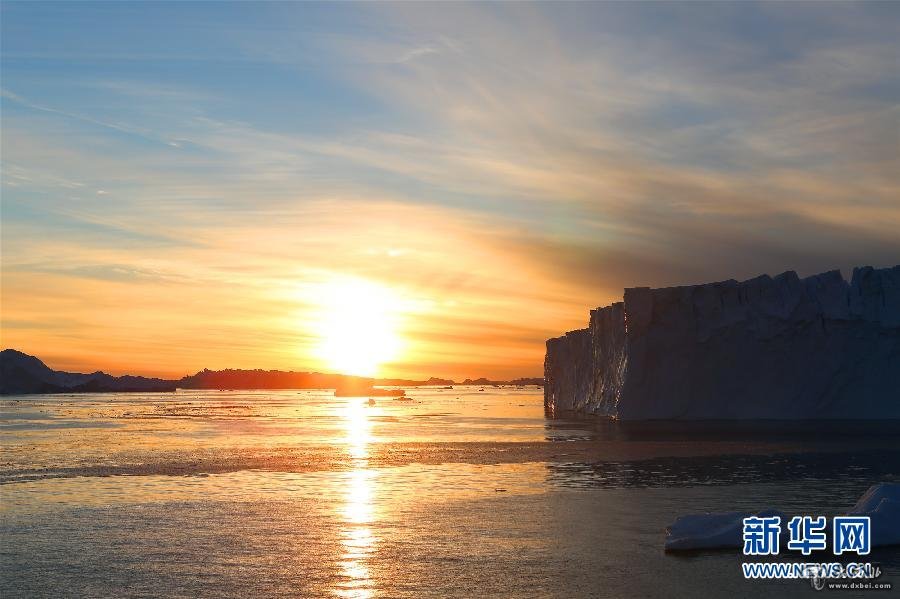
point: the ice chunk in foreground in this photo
(881, 503)
(722, 530)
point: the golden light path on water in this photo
(305, 494)
(358, 543)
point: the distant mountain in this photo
(519, 382)
(269, 379)
(21, 373)
(280, 379)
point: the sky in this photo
(254, 185)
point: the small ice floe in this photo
(881, 503)
(712, 530)
(724, 530)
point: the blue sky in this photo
(502, 167)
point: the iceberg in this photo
(767, 348)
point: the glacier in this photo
(780, 347)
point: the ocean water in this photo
(456, 493)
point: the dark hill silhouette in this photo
(268, 379)
(519, 382)
(21, 373)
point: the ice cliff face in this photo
(766, 348)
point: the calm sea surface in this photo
(459, 492)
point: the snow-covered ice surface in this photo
(723, 530)
(711, 530)
(881, 503)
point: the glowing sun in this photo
(357, 326)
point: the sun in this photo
(357, 326)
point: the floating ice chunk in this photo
(881, 503)
(871, 498)
(722, 530)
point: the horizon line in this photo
(310, 372)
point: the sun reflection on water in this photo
(358, 542)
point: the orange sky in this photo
(260, 295)
(468, 179)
